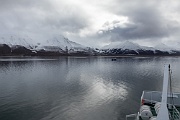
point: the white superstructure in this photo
(159, 103)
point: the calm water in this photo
(79, 88)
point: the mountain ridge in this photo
(56, 45)
(60, 45)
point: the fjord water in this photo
(79, 88)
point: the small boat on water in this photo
(113, 59)
(156, 105)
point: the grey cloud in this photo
(9, 5)
(40, 17)
(69, 22)
(146, 21)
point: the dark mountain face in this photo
(5, 49)
(145, 52)
(20, 50)
(138, 52)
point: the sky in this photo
(93, 23)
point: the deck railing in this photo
(174, 113)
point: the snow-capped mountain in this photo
(61, 43)
(134, 46)
(173, 44)
(128, 47)
(163, 47)
(13, 40)
(123, 45)
(56, 45)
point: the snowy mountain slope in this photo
(12, 40)
(163, 47)
(59, 43)
(147, 48)
(173, 44)
(127, 47)
(123, 45)
(63, 42)
(133, 46)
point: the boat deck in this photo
(159, 105)
(150, 98)
(155, 96)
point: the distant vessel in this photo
(156, 105)
(113, 59)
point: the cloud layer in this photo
(91, 22)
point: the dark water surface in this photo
(79, 88)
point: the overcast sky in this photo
(92, 22)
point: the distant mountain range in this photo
(57, 45)
(60, 45)
(130, 48)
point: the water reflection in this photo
(79, 88)
(102, 92)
